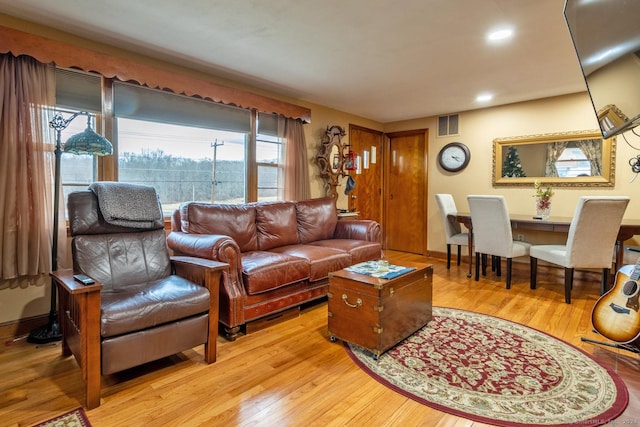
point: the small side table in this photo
(378, 313)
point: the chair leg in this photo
(93, 384)
(533, 272)
(448, 256)
(568, 284)
(484, 264)
(508, 272)
(459, 254)
(604, 286)
(90, 353)
(498, 264)
(477, 266)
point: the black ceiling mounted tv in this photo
(606, 36)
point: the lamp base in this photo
(45, 334)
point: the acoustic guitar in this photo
(615, 315)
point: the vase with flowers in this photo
(543, 200)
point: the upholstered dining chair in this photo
(590, 242)
(143, 305)
(492, 233)
(452, 229)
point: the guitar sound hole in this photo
(630, 288)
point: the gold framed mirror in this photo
(565, 159)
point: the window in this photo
(181, 162)
(192, 149)
(77, 171)
(77, 91)
(270, 159)
(573, 162)
(186, 147)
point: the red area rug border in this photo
(80, 412)
(612, 413)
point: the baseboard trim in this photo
(464, 258)
(21, 327)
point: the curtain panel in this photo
(592, 149)
(296, 179)
(27, 98)
(554, 150)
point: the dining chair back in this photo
(492, 233)
(452, 229)
(590, 241)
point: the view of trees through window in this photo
(179, 162)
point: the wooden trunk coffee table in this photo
(377, 313)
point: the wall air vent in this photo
(449, 125)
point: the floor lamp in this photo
(86, 142)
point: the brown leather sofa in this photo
(279, 253)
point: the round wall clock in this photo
(454, 157)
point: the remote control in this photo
(84, 279)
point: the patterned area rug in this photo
(75, 418)
(497, 372)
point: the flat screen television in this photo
(606, 37)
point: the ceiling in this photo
(385, 60)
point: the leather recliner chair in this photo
(143, 305)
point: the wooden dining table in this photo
(628, 229)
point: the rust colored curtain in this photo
(296, 175)
(27, 95)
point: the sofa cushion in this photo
(321, 260)
(276, 225)
(235, 221)
(360, 250)
(317, 219)
(137, 307)
(266, 271)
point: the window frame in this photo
(106, 124)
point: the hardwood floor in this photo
(290, 373)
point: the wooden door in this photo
(406, 192)
(366, 197)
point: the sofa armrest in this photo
(219, 248)
(207, 246)
(358, 229)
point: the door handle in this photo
(353, 196)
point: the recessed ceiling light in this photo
(484, 97)
(499, 35)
